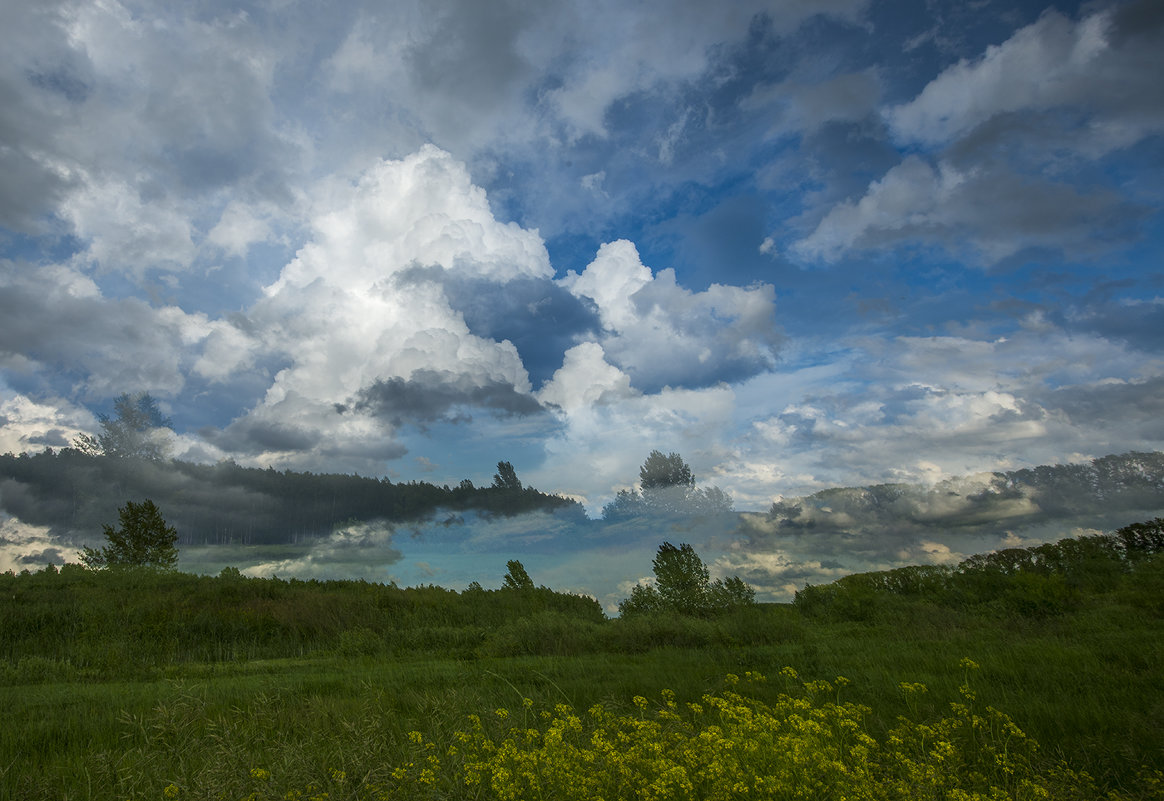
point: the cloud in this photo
(1010, 135)
(362, 550)
(431, 395)
(608, 427)
(624, 50)
(802, 107)
(856, 529)
(56, 319)
(25, 547)
(541, 318)
(363, 319)
(129, 121)
(983, 214)
(1101, 67)
(662, 334)
(28, 426)
(926, 408)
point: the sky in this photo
(804, 244)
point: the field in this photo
(171, 686)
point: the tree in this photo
(143, 540)
(683, 585)
(515, 577)
(681, 578)
(506, 477)
(138, 431)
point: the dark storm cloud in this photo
(542, 319)
(428, 396)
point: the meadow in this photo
(1012, 677)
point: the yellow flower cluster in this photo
(805, 745)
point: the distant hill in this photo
(73, 494)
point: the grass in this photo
(1087, 691)
(152, 686)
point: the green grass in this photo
(133, 686)
(1086, 688)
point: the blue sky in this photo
(804, 244)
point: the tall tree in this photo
(138, 430)
(515, 577)
(142, 540)
(506, 477)
(683, 585)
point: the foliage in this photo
(728, 745)
(683, 585)
(1040, 581)
(142, 540)
(515, 577)
(137, 432)
(129, 623)
(226, 686)
(506, 478)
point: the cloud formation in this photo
(664, 335)
(803, 244)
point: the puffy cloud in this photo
(363, 550)
(653, 46)
(366, 325)
(855, 529)
(1015, 128)
(541, 318)
(927, 408)
(608, 428)
(27, 425)
(238, 228)
(586, 379)
(25, 547)
(127, 232)
(663, 334)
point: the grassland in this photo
(171, 686)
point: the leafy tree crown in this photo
(506, 477)
(142, 540)
(683, 585)
(515, 577)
